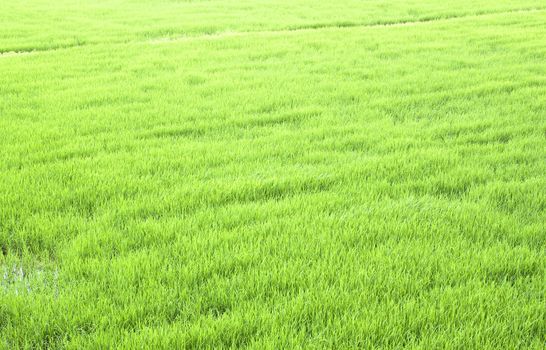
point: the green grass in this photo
(281, 174)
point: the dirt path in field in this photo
(15, 53)
(32, 51)
(229, 34)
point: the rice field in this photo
(272, 174)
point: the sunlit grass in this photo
(342, 186)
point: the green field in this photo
(278, 174)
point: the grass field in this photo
(273, 174)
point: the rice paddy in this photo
(273, 174)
